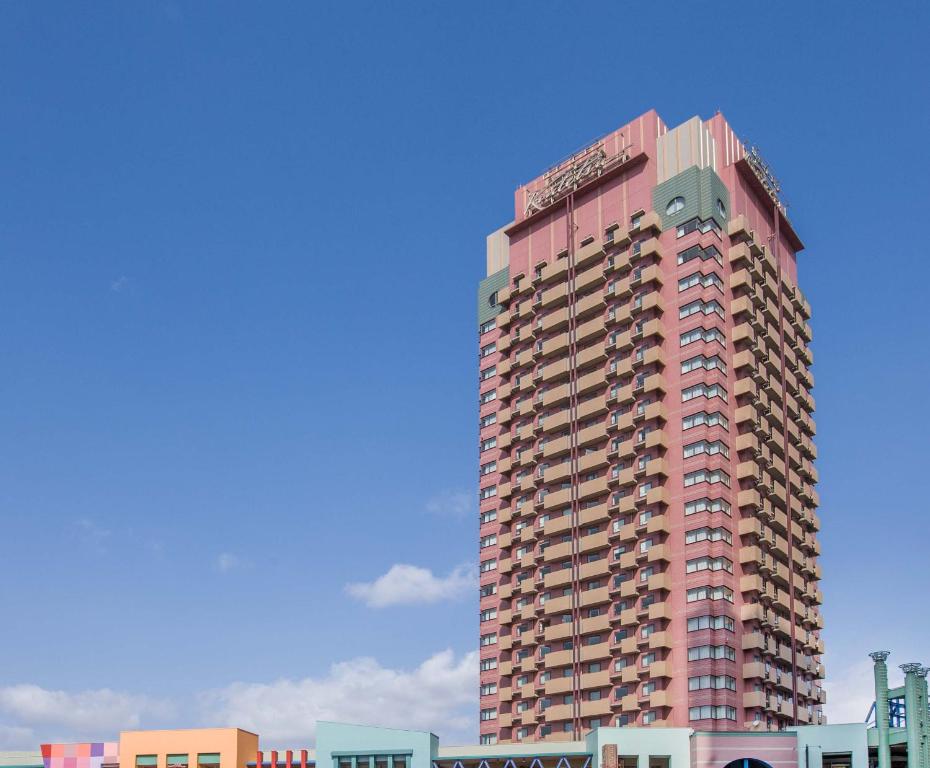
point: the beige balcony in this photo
(557, 447)
(629, 703)
(555, 320)
(599, 708)
(590, 304)
(559, 685)
(557, 472)
(589, 330)
(556, 395)
(660, 640)
(591, 382)
(593, 354)
(559, 712)
(589, 253)
(594, 597)
(588, 279)
(558, 659)
(754, 700)
(557, 270)
(555, 345)
(659, 581)
(555, 296)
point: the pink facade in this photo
(590, 323)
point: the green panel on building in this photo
(487, 294)
(700, 189)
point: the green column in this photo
(881, 707)
(912, 709)
(924, 717)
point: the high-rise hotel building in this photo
(648, 548)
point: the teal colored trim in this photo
(373, 753)
(486, 290)
(146, 760)
(208, 758)
(701, 188)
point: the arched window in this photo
(721, 208)
(675, 205)
(492, 299)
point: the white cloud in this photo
(119, 284)
(439, 695)
(100, 713)
(409, 584)
(851, 691)
(93, 534)
(452, 504)
(227, 561)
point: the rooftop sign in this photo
(561, 181)
(765, 176)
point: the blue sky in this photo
(239, 247)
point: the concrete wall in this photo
(235, 746)
(334, 740)
(815, 741)
(643, 743)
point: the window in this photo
(707, 563)
(489, 714)
(487, 493)
(708, 534)
(177, 761)
(487, 421)
(488, 541)
(709, 476)
(487, 445)
(208, 759)
(709, 621)
(488, 468)
(487, 397)
(489, 325)
(701, 652)
(674, 205)
(650, 717)
(701, 361)
(701, 307)
(712, 712)
(721, 208)
(488, 589)
(488, 349)
(488, 517)
(703, 334)
(488, 664)
(710, 447)
(488, 739)
(703, 390)
(487, 373)
(146, 761)
(636, 220)
(648, 658)
(696, 225)
(488, 565)
(696, 252)
(707, 505)
(697, 278)
(711, 419)
(487, 614)
(489, 639)
(710, 593)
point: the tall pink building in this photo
(648, 547)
